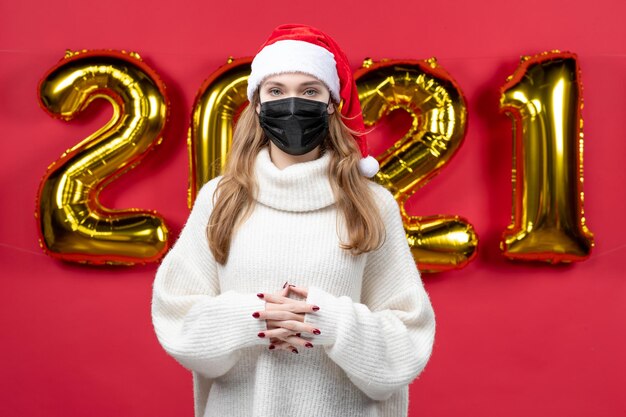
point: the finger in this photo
(278, 313)
(285, 334)
(304, 292)
(273, 342)
(285, 291)
(293, 327)
(279, 344)
(288, 335)
(272, 298)
(298, 341)
(280, 333)
(276, 341)
(294, 307)
(282, 345)
(289, 304)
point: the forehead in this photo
(293, 79)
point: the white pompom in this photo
(368, 166)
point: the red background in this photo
(512, 339)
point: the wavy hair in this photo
(236, 190)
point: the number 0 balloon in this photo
(217, 102)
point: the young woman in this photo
(291, 290)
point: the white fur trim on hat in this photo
(368, 166)
(295, 56)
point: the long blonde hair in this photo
(237, 188)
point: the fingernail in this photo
(291, 285)
(256, 315)
(260, 295)
(285, 284)
(309, 345)
(315, 308)
(272, 346)
(294, 350)
(298, 334)
(261, 334)
(316, 331)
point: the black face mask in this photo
(296, 125)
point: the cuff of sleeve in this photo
(327, 318)
(241, 307)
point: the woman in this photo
(292, 290)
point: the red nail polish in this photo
(309, 345)
(298, 334)
(294, 350)
(256, 315)
(261, 334)
(260, 295)
(272, 346)
(316, 331)
(315, 308)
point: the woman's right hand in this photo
(285, 320)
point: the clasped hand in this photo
(285, 318)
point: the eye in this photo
(310, 92)
(273, 91)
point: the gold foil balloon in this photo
(218, 101)
(73, 226)
(423, 89)
(437, 106)
(544, 99)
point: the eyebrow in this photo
(307, 83)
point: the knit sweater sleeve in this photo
(384, 342)
(200, 327)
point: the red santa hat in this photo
(302, 48)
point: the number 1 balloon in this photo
(544, 99)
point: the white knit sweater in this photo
(376, 320)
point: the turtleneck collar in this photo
(302, 186)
